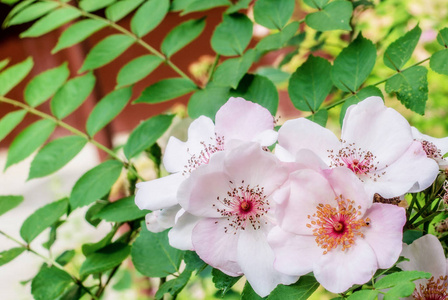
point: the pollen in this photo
(244, 206)
(337, 226)
(203, 157)
(431, 150)
(433, 290)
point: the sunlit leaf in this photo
(181, 36)
(148, 16)
(9, 202)
(137, 69)
(32, 12)
(10, 77)
(400, 51)
(335, 15)
(273, 14)
(92, 5)
(105, 259)
(120, 9)
(10, 121)
(166, 89)
(233, 35)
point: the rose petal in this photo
(440, 143)
(176, 155)
(159, 220)
(180, 235)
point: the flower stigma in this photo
(203, 157)
(431, 150)
(434, 290)
(337, 226)
(244, 206)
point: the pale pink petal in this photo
(201, 130)
(216, 247)
(425, 254)
(283, 154)
(302, 133)
(374, 127)
(158, 193)
(159, 220)
(176, 155)
(400, 177)
(254, 166)
(385, 232)
(243, 120)
(294, 254)
(256, 259)
(308, 189)
(266, 138)
(180, 235)
(440, 143)
(344, 182)
(306, 158)
(338, 270)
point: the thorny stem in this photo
(340, 101)
(69, 128)
(50, 261)
(137, 39)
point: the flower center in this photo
(203, 157)
(361, 162)
(244, 206)
(337, 226)
(431, 150)
(434, 290)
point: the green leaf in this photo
(122, 210)
(51, 21)
(92, 5)
(241, 4)
(77, 33)
(411, 87)
(124, 280)
(75, 292)
(65, 257)
(90, 215)
(71, 95)
(401, 290)
(106, 51)
(223, 282)
(230, 72)
(364, 295)
(409, 236)
(55, 155)
(279, 39)
(105, 259)
(300, 290)
(275, 75)
(29, 140)
(10, 121)
(200, 103)
(9, 202)
(335, 15)
(193, 261)
(166, 89)
(43, 218)
(399, 277)
(137, 69)
(96, 183)
(273, 14)
(358, 97)
(107, 109)
(258, 89)
(400, 51)
(200, 5)
(146, 134)
(316, 3)
(44, 85)
(442, 37)
(32, 12)
(153, 256)
(16, 9)
(233, 35)
(120, 9)
(439, 62)
(178, 5)
(9, 255)
(10, 77)
(50, 283)
(148, 16)
(310, 84)
(89, 248)
(181, 36)
(4, 63)
(174, 286)
(249, 294)
(320, 117)
(354, 64)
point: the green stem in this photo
(426, 219)
(418, 214)
(49, 261)
(137, 39)
(213, 68)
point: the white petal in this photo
(201, 130)
(244, 120)
(159, 220)
(385, 232)
(158, 193)
(304, 134)
(399, 177)
(256, 259)
(338, 270)
(294, 254)
(266, 138)
(176, 155)
(180, 234)
(283, 154)
(425, 254)
(216, 247)
(374, 127)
